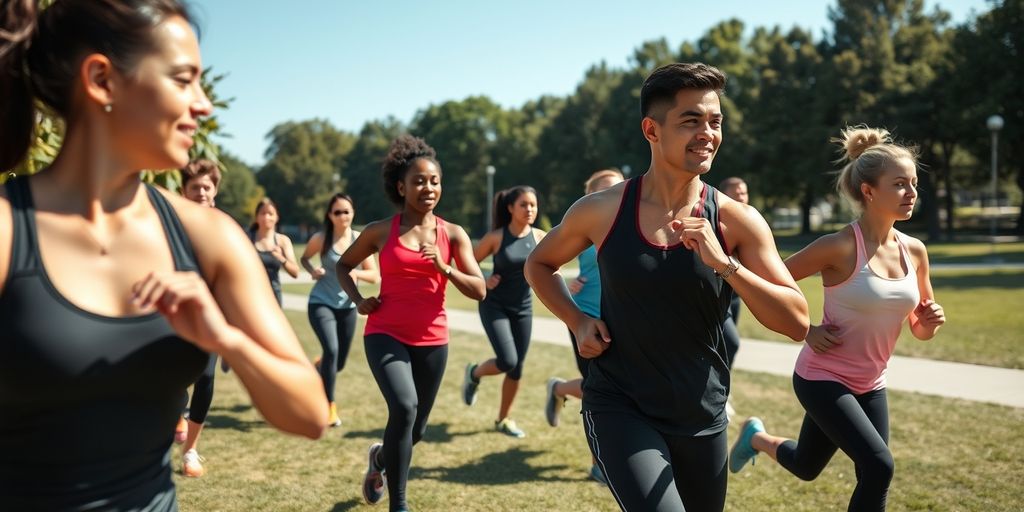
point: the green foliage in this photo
(238, 192)
(305, 166)
(362, 169)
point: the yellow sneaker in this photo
(192, 464)
(332, 419)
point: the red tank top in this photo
(411, 292)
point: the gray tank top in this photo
(327, 290)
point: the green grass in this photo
(950, 454)
(981, 327)
(938, 252)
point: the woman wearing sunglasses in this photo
(331, 312)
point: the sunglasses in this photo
(338, 212)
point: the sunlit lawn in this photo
(950, 454)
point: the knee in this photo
(507, 363)
(880, 467)
(404, 412)
(515, 373)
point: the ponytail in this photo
(17, 109)
(503, 200)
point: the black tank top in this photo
(270, 262)
(512, 291)
(88, 403)
(664, 309)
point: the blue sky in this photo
(353, 61)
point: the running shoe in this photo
(192, 464)
(469, 385)
(181, 430)
(332, 418)
(374, 482)
(742, 451)
(509, 428)
(554, 403)
(597, 474)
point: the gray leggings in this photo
(334, 328)
(509, 331)
(649, 470)
(408, 377)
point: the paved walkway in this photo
(957, 380)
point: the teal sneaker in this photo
(509, 428)
(742, 451)
(469, 385)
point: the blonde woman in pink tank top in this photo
(875, 278)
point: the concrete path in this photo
(957, 380)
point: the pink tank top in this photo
(411, 292)
(869, 311)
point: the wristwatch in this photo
(729, 269)
(448, 271)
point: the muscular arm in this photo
(763, 282)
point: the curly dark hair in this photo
(405, 150)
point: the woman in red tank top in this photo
(406, 337)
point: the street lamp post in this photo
(490, 197)
(995, 123)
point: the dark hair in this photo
(658, 94)
(505, 198)
(266, 201)
(198, 168)
(40, 54)
(405, 150)
(329, 224)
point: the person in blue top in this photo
(586, 293)
(331, 312)
(507, 311)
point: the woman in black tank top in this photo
(107, 285)
(507, 311)
(275, 249)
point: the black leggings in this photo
(509, 330)
(732, 334)
(334, 328)
(202, 392)
(857, 424)
(648, 470)
(409, 378)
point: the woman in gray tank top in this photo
(331, 313)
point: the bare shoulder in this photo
(214, 235)
(456, 232)
(539, 234)
(603, 205)
(836, 245)
(917, 249)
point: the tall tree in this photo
(363, 166)
(238, 193)
(305, 166)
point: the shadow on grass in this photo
(501, 468)
(436, 433)
(216, 421)
(342, 506)
(996, 279)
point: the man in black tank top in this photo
(671, 251)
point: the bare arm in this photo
(237, 316)
(928, 316)
(367, 270)
(365, 246)
(467, 277)
(763, 282)
(563, 243)
(288, 263)
(314, 246)
(487, 245)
